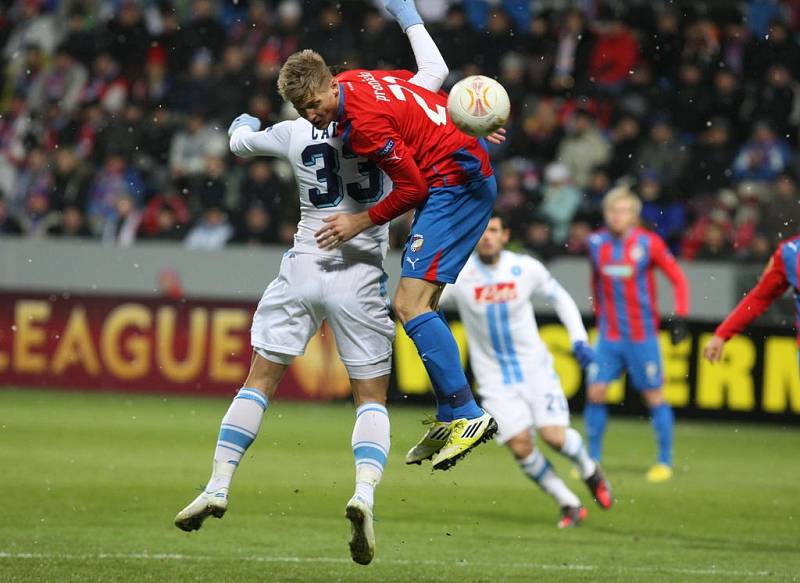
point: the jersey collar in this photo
(341, 101)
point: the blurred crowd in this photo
(113, 114)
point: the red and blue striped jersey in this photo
(781, 274)
(624, 286)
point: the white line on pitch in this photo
(541, 566)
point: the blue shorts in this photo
(641, 360)
(446, 230)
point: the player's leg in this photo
(442, 238)
(371, 444)
(608, 367)
(238, 430)
(535, 465)
(355, 306)
(550, 411)
(645, 367)
(568, 442)
(283, 323)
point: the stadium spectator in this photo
(538, 238)
(709, 162)
(61, 84)
(213, 231)
(122, 225)
(166, 217)
(32, 27)
(116, 177)
(781, 214)
(560, 200)
(614, 56)
(763, 157)
(193, 144)
(125, 37)
(583, 147)
(70, 224)
(71, 180)
(257, 227)
(573, 54)
(662, 153)
(9, 226)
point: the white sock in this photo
(370, 448)
(574, 450)
(540, 471)
(238, 430)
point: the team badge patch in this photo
(637, 252)
(516, 271)
(387, 148)
(416, 242)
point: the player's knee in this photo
(521, 445)
(266, 371)
(596, 393)
(653, 397)
(553, 436)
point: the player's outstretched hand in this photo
(678, 330)
(713, 350)
(497, 137)
(404, 12)
(244, 120)
(584, 353)
(340, 228)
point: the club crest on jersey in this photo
(516, 271)
(496, 293)
(636, 252)
(417, 241)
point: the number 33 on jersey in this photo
(330, 179)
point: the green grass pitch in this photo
(92, 482)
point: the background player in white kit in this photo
(344, 286)
(513, 368)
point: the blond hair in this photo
(622, 193)
(302, 75)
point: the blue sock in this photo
(595, 417)
(439, 353)
(663, 421)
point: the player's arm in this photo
(379, 142)
(665, 261)
(247, 141)
(567, 310)
(772, 285)
(432, 70)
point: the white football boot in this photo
(206, 504)
(362, 541)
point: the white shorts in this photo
(538, 402)
(351, 296)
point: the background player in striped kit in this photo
(780, 274)
(624, 257)
(513, 368)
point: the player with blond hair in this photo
(436, 170)
(624, 257)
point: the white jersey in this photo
(330, 180)
(494, 302)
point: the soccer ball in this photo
(478, 105)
